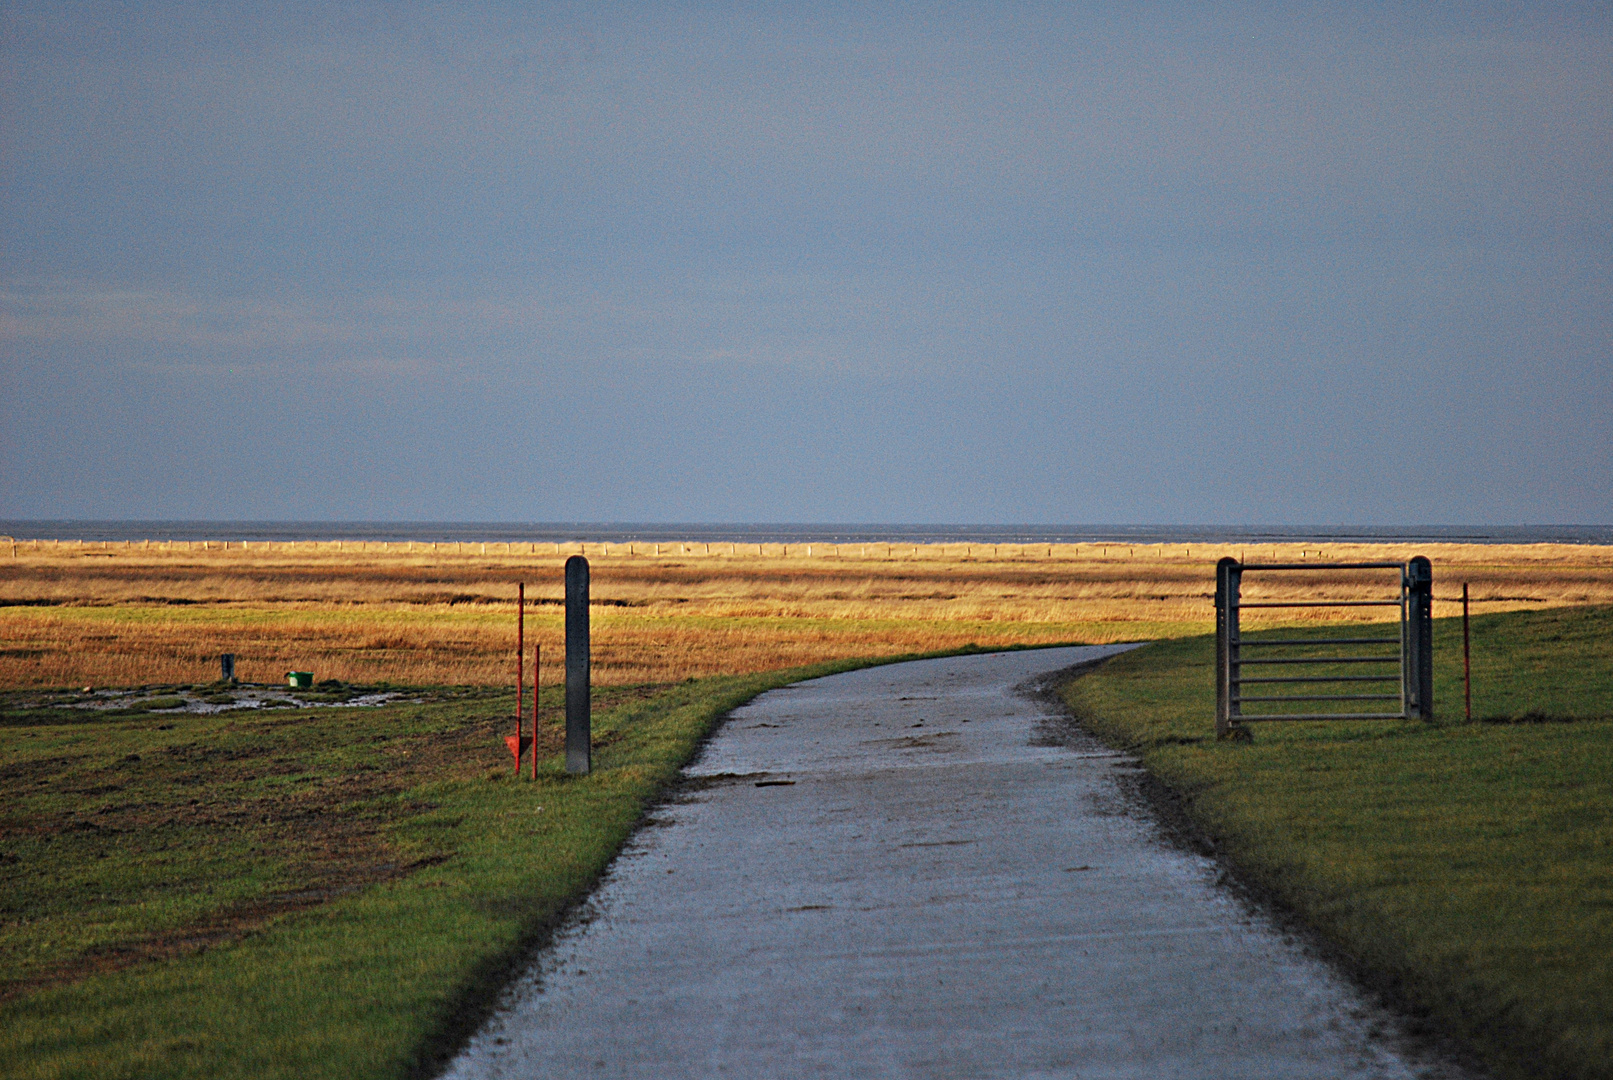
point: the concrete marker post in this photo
(1420, 636)
(1227, 582)
(579, 721)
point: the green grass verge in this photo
(1465, 868)
(302, 893)
(319, 893)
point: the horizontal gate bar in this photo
(1324, 566)
(1318, 660)
(1326, 716)
(1322, 697)
(1319, 678)
(1317, 603)
(1246, 643)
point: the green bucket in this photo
(299, 680)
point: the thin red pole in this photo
(1467, 660)
(520, 651)
(537, 658)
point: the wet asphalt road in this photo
(889, 873)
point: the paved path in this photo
(935, 892)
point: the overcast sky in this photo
(924, 263)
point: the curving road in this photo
(894, 872)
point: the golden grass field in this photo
(127, 614)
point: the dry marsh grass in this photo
(130, 614)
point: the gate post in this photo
(1420, 634)
(579, 756)
(1227, 582)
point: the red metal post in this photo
(537, 658)
(520, 651)
(1467, 662)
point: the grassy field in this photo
(127, 614)
(333, 890)
(1466, 868)
(323, 892)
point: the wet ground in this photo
(205, 698)
(895, 872)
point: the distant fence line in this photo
(649, 549)
(607, 549)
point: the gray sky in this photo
(974, 263)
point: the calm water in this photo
(621, 532)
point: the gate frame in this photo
(1416, 644)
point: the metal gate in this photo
(1275, 663)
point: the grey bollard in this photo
(1420, 636)
(579, 720)
(226, 667)
(1223, 681)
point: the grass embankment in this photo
(327, 892)
(128, 614)
(1466, 868)
(300, 893)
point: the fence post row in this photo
(1235, 653)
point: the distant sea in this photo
(623, 532)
